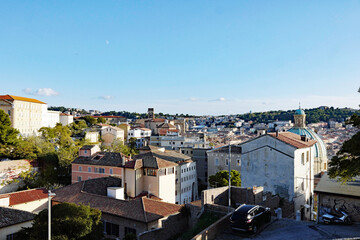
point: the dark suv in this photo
(249, 217)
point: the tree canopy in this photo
(346, 163)
(221, 179)
(8, 135)
(69, 221)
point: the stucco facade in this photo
(280, 168)
(81, 172)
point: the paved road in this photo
(290, 229)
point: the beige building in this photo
(109, 134)
(26, 114)
(151, 175)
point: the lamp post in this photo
(229, 175)
(50, 194)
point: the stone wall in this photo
(255, 196)
(172, 226)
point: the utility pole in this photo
(50, 194)
(229, 162)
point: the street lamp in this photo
(50, 194)
(229, 162)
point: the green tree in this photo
(346, 163)
(89, 120)
(69, 221)
(101, 120)
(221, 179)
(8, 135)
(118, 146)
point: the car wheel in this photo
(348, 221)
(254, 229)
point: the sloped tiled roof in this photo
(140, 209)
(225, 149)
(167, 155)
(293, 139)
(101, 159)
(10, 216)
(147, 160)
(26, 196)
(12, 97)
(166, 125)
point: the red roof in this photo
(27, 196)
(293, 139)
(108, 116)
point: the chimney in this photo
(277, 133)
(303, 138)
(116, 192)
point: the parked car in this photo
(249, 217)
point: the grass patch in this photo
(204, 221)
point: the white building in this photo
(66, 119)
(139, 133)
(49, 118)
(28, 115)
(176, 142)
(186, 184)
(283, 163)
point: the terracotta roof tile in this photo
(293, 139)
(12, 97)
(26, 196)
(140, 209)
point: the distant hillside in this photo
(321, 114)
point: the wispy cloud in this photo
(46, 92)
(218, 100)
(105, 97)
(28, 91)
(193, 99)
(41, 92)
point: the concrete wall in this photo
(123, 222)
(167, 187)
(34, 206)
(222, 156)
(351, 205)
(172, 226)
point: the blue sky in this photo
(196, 57)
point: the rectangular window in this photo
(238, 162)
(307, 156)
(303, 158)
(101, 170)
(111, 171)
(96, 170)
(170, 170)
(226, 162)
(112, 229)
(79, 178)
(80, 168)
(151, 172)
(85, 151)
(130, 230)
(216, 162)
(9, 112)
(89, 169)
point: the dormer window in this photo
(98, 157)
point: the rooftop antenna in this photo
(299, 105)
